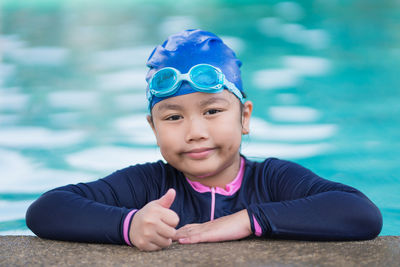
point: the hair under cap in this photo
(191, 47)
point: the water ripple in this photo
(261, 130)
(121, 58)
(293, 113)
(39, 137)
(286, 151)
(74, 99)
(123, 80)
(40, 56)
(110, 158)
(22, 174)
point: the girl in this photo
(207, 191)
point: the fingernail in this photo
(183, 240)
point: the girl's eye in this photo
(212, 111)
(173, 118)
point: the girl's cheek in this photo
(168, 137)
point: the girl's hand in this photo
(153, 226)
(232, 227)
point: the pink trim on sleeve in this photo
(257, 228)
(127, 222)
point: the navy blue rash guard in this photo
(287, 201)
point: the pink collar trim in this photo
(231, 188)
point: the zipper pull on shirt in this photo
(212, 203)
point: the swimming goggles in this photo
(202, 77)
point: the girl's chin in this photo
(203, 176)
(200, 175)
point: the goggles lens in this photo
(164, 79)
(204, 76)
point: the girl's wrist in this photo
(246, 221)
(127, 226)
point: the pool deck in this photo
(33, 251)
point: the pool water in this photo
(323, 76)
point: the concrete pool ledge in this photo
(33, 251)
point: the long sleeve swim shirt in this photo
(283, 200)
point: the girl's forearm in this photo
(232, 227)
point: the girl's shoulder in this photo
(150, 171)
(275, 168)
(271, 162)
(148, 167)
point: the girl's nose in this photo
(197, 129)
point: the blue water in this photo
(323, 77)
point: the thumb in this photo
(167, 199)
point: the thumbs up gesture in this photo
(153, 226)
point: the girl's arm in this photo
(68, 214)
(300, 205)
(96, 211)
(232, 227)
(307, 207)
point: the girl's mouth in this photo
(199, 153)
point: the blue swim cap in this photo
(191, 47)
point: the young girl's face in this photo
(200, 133)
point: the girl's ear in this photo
(151, 122)
(246, 114)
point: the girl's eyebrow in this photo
(204, 103)
(213, 100)
(167, 106)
